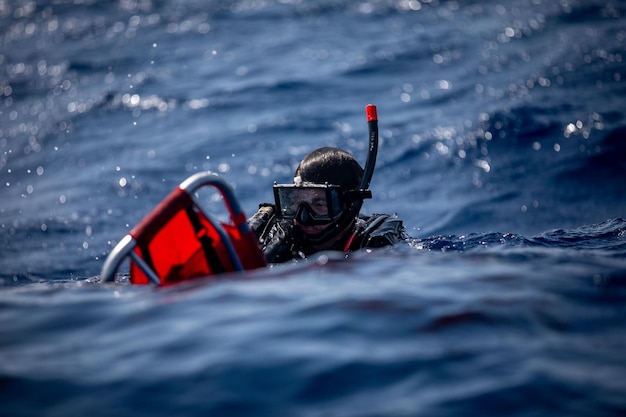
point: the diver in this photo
(320, 210)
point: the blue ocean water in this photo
(502, 149)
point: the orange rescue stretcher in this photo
(179, 240)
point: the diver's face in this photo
(316, 200)
(312, 230)
(317, 230)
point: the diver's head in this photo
(330, 166)
(321, 199)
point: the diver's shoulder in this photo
(379, 229)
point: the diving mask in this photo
(314, 204)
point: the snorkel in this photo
(372, 149)
(352, 211)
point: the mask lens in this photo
(319, 203)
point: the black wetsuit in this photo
(281, 242)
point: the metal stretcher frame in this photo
(180, 199)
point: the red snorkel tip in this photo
(370, 110)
